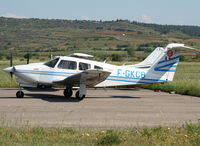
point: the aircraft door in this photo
(46, 75)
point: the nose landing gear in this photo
(20, 93)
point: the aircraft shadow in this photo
(125, 97)
(61, 98)
(131, 89)
(52, 98)
(41, 90)
(36, 89)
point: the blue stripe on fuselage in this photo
(66, 74)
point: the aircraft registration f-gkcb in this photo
(78, 70)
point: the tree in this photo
(1, 56)
(116, 57)
(131, 52)
(27, 55)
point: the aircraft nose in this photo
(9, 69)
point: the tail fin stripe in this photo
(160, 68)
(170, 65)
(166, 70)
(173, 58)
(174, 65)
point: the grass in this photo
(188, 134)
(5, 77)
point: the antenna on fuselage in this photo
(124, 63)
(106, 60)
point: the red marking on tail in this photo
(169, 54)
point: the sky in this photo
(176, 12)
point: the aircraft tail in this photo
(164, 67)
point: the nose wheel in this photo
(20, 94)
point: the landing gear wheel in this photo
(67, 92)
(20, 94)
(78, 97)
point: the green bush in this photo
(116, 57)
(8, 57)
(131, 52)
(27, 55)
(109, 138)
(1, 57)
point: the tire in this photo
(67, 92)
(78, 97)
(20, 94)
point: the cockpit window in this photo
(52, 63)
(65, 64)
(84, 66)
(98, 67)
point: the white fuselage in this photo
(39, 73)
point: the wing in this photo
(88, 77)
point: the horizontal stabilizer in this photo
(181, 48)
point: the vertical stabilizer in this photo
(165, 65)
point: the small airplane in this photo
(78, 70)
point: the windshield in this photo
(52, 63)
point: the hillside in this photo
(66, 36)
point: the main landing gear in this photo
(20, 93)
(80, 94)
(68, 92)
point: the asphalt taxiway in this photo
(101, 108)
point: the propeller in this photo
(11, 64)
(28, 57)
(11, 72)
